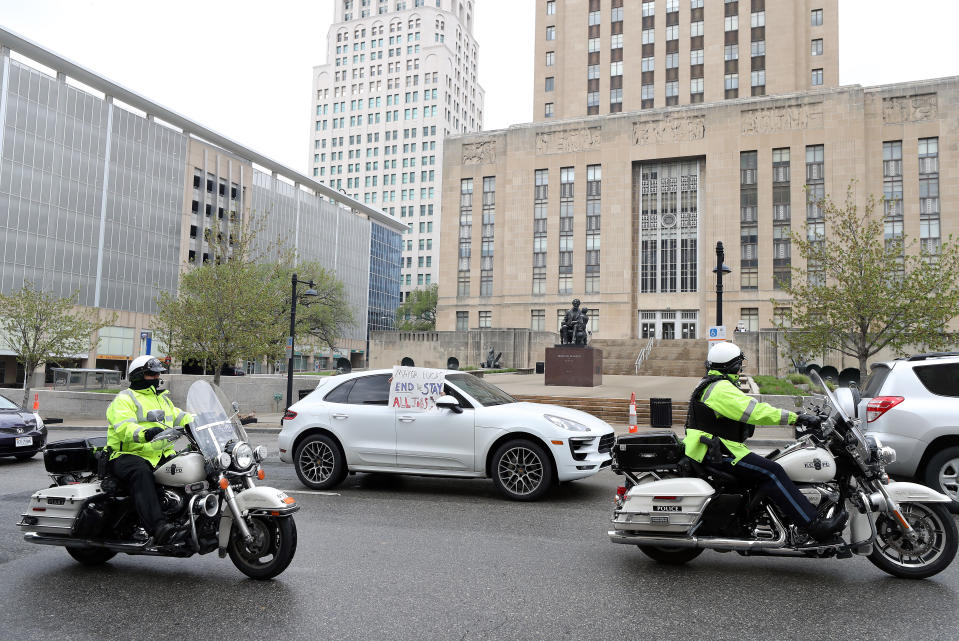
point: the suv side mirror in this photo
(155, 416)
(450, 403)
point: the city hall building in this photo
(106, 193)
(661, 129)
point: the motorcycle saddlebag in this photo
(71, 455)
(659, 450)
(54, 510)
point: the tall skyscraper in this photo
(400, 77)
(680, 52)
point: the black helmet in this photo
(142, 365)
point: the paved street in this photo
(414, 558)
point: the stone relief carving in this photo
(764, 121)
(570, 140)
(910, 108)
(669, 130)
(479, 153)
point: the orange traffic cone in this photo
(36, 402)
(632, 414)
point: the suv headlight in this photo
(242, 456)
(565, 423)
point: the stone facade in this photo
(697, 154)
(520, 347)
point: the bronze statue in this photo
(573, 330)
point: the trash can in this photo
(540, 367)
(661, 412)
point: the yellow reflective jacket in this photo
(128, 425)
(724, 398)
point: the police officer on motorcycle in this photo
(718, 410)
(134, 456)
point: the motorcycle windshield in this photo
(212, 427)
(833, 403)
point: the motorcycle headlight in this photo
(242, 456)
(887, 455)
(224, 459)
(565, 423)
(259, 453)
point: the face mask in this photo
(145, 384)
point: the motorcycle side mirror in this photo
(450, 403)
(235, 406)
(155, 416)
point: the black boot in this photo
(825, 527)
(168, 534)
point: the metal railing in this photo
(644, 353)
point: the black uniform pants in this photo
(137, 474)
(771, 479)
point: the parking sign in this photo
(717, 333)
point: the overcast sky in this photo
(187, 55)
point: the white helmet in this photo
(726, 358)
(143, 364)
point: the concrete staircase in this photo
(678, 357)
(614, 411)
(619, 354)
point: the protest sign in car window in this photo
(416, 388)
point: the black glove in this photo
(152, 433)
(807, 422)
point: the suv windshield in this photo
(485, 394)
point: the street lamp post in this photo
(289, 369)
(719, 270)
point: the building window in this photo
(594, 191)
(757, 19)
(615, 96)
(593, 18)
(892, 191)
(731, 52)
(649, 36)
(465, 237)
(732, 23)
(548, 110)
(758, 78)
(648, 91)
(648, 64)
(592, 45)
(672, 89)
(592, 72)
(616, 68)
(649, 9)
(617, 14)
(669, 212)
(550, 7)
(485, 320)
(816, 48)
(929, 235)
(732, 81)
(815, 192)
(696, 29)
(551, 33)
(815, 18)
(750, 318)
(592, 99)
(462, 321)
(489, 219)
(567, 180)
(696, 85)
(782, 259)
(672, 60)
(550, 58)
(549, 83)
(537, 320)
(540, 200)
(672, 32)
(695, 4)
(748, 230)
(616, 41)
(757, 48)
(696, 57)
(816, 77)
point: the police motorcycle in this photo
(206, 489)
(674, 508)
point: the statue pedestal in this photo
(574, 366)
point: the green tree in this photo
(322, 318)
(40, 327)
(225, 309)
(864, 289)
(420, 306)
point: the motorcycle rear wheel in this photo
(670, 555)
(938, 541)
(272, 549)
(91, 556)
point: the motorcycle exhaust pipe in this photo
(705, 542)
(65, 541)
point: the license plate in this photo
(24, 441)
(667, 508)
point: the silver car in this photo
(912, 404)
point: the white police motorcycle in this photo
(207, 489)
(674, 508)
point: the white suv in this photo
(478, 430)
(912, 404)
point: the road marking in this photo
(311, 492)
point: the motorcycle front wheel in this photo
(270, 552)
(930, 554)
